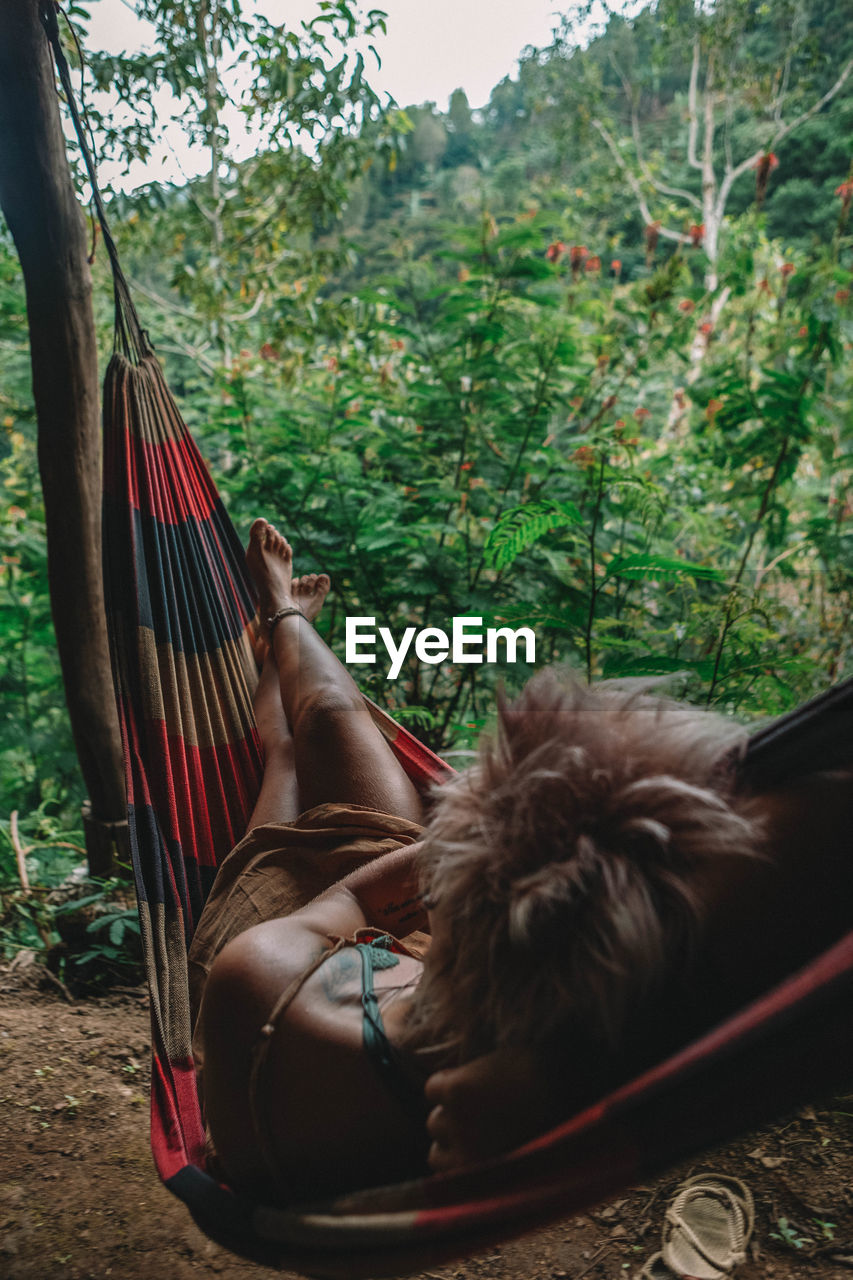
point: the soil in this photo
(79, 1196)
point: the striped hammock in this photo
(179, 605)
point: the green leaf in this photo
(651, 566)
(521, 527)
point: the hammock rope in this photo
(180, 607)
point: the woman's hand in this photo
(489, 1105)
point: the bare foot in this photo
(310, 591)
(270, 561)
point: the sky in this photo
(432, 47)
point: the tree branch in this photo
(692, 107)
(709, 178)
(814, 108)
(254, 308)
(178, 347)
(678, 236)
(733, 174)
(660, 187)
(165, 303)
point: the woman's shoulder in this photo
(282, 1023)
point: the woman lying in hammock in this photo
(596, 888)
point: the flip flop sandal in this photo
(707, 1227)
(656, 1269)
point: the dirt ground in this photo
(79, 1197)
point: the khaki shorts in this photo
(281, 866)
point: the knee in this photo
(329, 711)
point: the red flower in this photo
(787, 269)
(466, 466)
(697, 233)
(686, 305)
(616, 266)
(652, 235)
(578, 253)
(642, 413)
(332, 364)
(555, 251)
(268, 352)
(763, 168)
(842, 295)
(592, 264)
(846, 193)
(802, 332)
(397, 344)
(707, 328)
(584, 456)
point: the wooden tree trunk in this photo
(37, 198)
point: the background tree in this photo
(39, 204)
(737, 93)
(305, 95)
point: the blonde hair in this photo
(562, 863)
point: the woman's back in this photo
(308, 1095)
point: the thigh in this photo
(342, 757)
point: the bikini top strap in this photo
(386, 1061)
(260, 1059)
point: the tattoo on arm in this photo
(338, 973)
(405, 909)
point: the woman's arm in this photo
(384, 893)
(489, 1105)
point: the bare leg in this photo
(278, 800)
(340, 755)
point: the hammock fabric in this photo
(179, 606)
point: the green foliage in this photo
(522, 527)
(443, 355)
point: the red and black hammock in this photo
(179, 605)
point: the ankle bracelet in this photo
(276, 618)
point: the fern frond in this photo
(521, 527)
